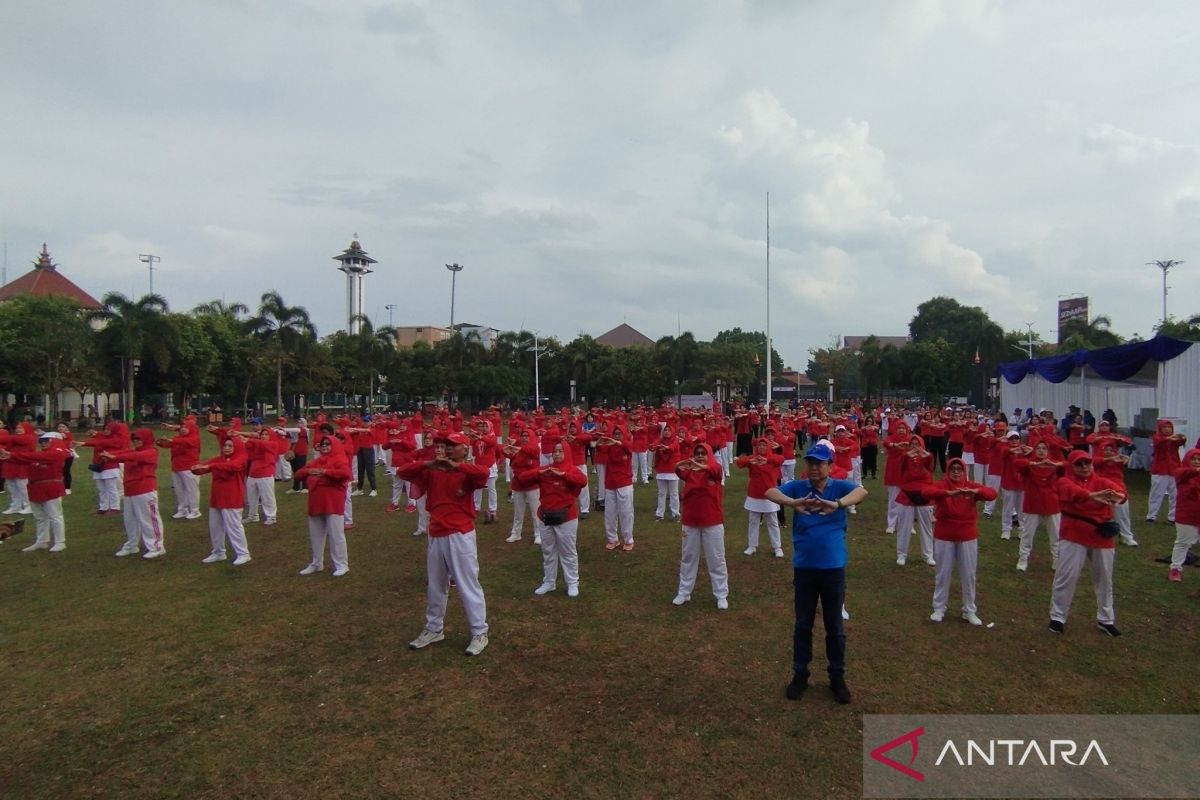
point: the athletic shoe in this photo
(937, 616)
(516, 537)
(749, 551)
(356, 493)
(392, 507)
(194, 515)
(126, 551)
(477, 645)
(24, 510)
(304, 490)
(269, 521)
(537, 538)
(337, 573)
(722, 604)
(212, 558)
(1006, 535)
(250, 519)
(373, 493)
(418, 533)
(545, 588)
(971, 617)
(796, 688)
(1130, 542)
(929, 560)
(901, 561)
(36, 546)
(292, 491)
(1108, 628)
(841, 692)
(178, 515)
(627, 546)
(779, 552)
(845, 613)
(310, 569)
(162, 551)
(680, 599)
(1175, 575)
(1149, 520)
(572, 590)
(410, 508)
(583, 514)
(237, 562)
(1170, 521)
(891, 531)
(58, 548)
(425, 638)
(1022, 565)
(1056, 626)
(658, 519)
(611, 545)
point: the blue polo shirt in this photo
(819, 541)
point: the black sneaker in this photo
(841, 692)
(1056, 626)
(797, 686)
(1108, 628)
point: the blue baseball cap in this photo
(819, 452)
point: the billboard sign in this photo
(1069, 309)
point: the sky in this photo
(593, 163)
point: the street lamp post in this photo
(537, 381)
(392, 307)
(574, 384)
(830, 382)
(454, 270)
(149, 260)
(1165, 266)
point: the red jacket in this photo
(228, 479)
(558, 491)
(619, 470)
(1040, 483)
(44, 468)
(21, 441)
(956, 516)
(916, 474)
(526, 458)
(1074, 495)
(326, 492)
(762, 476)
(263, 454)
(666, 456)
(702, 497)
(1187, 503)
(449, 494)
(185, 450)
(1165, 457)
(141, 465)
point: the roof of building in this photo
(46, 281)
(855, 343)
(798, 378)
(624, 336)
(354, 254)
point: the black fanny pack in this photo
(555, 516)
(1108, 529)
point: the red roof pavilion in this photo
(46, 281)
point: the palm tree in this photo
(282, 329)
(132, 330)
(1080, 335)
(373, 349)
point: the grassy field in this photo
(171, 679)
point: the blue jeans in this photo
(829, 587)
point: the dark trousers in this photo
(954, 450)
(67, 473)
(829, 587)
(298, 463)
(937, 446)
(743, 444)
(870, 459)
(366, 466)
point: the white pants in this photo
(226, 523)
(108, 489)
(354, 467)
(49, 519)
(855, 471)
(668, 497)
(600, 469)
(585, 494)
(491, 492)
(979, 473)
(1162, 486)
(618, 513)
(1121, 516)
(755, 523)
(947, 555)
(1013, 499)
(1185, 537)
(143, 522)
(333, 528)
(788, 472)
(1029, 526)
(559, 547)
(422, 514)
(400, 486)
(187, 491)
(348, 509)
(992, 482)
(529, 499)
(18, 490)
(893, 508)
(712, 540)
(641, 467)
(923, 517)
(454, 556)
(283, 469)
(1071, 556)
(261, 490)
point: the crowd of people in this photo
(1032, 470)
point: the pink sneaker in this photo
(1175, 575)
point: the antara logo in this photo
(912, 739)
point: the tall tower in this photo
(356, 264)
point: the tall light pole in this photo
(454, 270)
(770, 396)
(537, 385)
(150, 260)
(390, 308)
(1165, 266)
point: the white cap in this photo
(839, 428)
(50, 435)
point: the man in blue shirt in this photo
(819, 564)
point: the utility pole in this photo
(149, 261)
(1165, 266)
(454, 270)
(390, 308)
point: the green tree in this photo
(1188, 329)
(1080, 335)
(48, 346)
(134, 331)
(283, 331)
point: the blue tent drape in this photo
(1111, 363)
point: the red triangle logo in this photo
(910, 738)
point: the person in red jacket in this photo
(1087, 503)
(401, 445)
(484, 452)
(1164, 462)
(524, 456)
(764, 468)
(703, 516)
(916, 473)
(327, 478)
(666, 455)
(1187, 512)
(558, 485)
(106, 474)
(225, 501)
(46, 490)
(580, 443)
(142, 518)
(956, 537)
(21, 441)
(895, 446)
(1009, 450)
(618, 488)
(449, 482)
(1110, 464)
(263, 451)
(185, 454)
(1039, 501)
